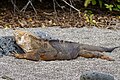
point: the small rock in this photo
(6, 77)
(1, 52)
(8, 45)
(96, 76)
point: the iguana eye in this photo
(19, 38)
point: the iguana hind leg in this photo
(94, 54)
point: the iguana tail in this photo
(110, 49)
(96, 48)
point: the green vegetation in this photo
(65, 13)
(112, 5)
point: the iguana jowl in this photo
(37, 48)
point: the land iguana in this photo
(37, 48)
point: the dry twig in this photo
(25, 7)
(71, 6)
(15, 7)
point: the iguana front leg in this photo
(35, 56)
(19, 56)
(28, 56)
(94, 54)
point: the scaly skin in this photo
(37, 48)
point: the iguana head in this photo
(27, 41)
(20, 36)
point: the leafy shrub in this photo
(112, 5)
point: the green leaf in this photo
(87, 2)
(118, 6)
(100, 3)
(118, 0)
(93, 2)
(116, 9)
(91, 18)
(106, 4)
(109, 6)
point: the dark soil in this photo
(66, 17)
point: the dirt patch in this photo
(64, 18)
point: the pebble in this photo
(91, 75)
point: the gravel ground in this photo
(20, 69)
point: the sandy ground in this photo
(19, 69)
